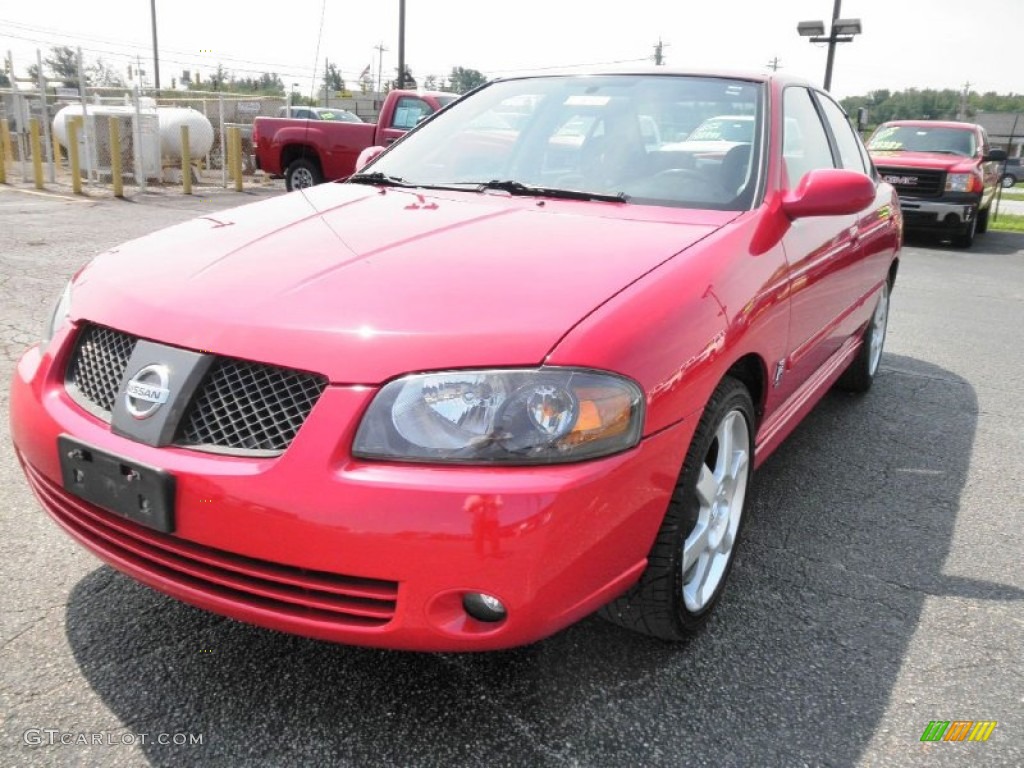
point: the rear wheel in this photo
(861, 373)
(693, 552)
(302, 173)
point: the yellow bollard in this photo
(37, 152)
(56, 151)
(235, 158)
(5, 139)
(186, 162)
(73, 125)
(115, 157)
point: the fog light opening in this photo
(483, 607)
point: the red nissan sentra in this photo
(520, 367)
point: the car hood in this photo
(929, 160)
(362, 284)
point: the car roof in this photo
(749, 75)
(933, 124)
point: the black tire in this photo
(302, 174)
(983, 221)
(1008, 181)
(965, 239)
(657, 604)
(861, 373)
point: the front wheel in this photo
(1008, 181)
(983, 221)
(302, 173)
(693, 552)
(966, 238)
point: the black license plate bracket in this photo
(127, 488)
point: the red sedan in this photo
(519, 368)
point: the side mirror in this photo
(829, 192)
(367, 156)
(862, 119)
(995, 154)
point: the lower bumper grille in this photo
(296, 592)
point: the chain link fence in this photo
(134, 137)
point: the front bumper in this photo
(930, 214)
(316, 543)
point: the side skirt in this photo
(789, 414)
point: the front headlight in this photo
(544, 416)
(59, 315)
(958, 182)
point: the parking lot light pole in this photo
(842, 31)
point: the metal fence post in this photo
(51, 177)
(37, 153)
(90, 155)
(140, 172)
(223, 145)
(116, 177)
(186, 162)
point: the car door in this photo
(823, 251)
(876, 236)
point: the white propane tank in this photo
(60, 120)
(200, 131)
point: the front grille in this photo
(240, 407)
(286, 590)
(915, 182)
(250, 406)
(98, 366)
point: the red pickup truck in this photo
(307, 152)
(945, 174)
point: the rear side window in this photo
(849, 145)
(805, 144)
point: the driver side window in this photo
(805, 144)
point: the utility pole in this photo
(380, 63)
(401, 43)
(774, 64)
(962, 112)
(156, 56)
(327, 85)
(659, 56)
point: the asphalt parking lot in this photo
(879, 586)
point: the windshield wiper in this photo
(518, 188)
(379, 178)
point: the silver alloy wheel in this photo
(302, 178)
(879, 323)
(721, 490)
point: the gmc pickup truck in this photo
(945, 174)
(307, 152)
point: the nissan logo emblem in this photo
(147, 391)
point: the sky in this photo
(905, 43)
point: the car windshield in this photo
(338, 115)
(724, 129)
(615, 137)
(924, 138)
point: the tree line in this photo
(929, 104)
(61, 67)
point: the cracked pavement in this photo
(878, 585)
